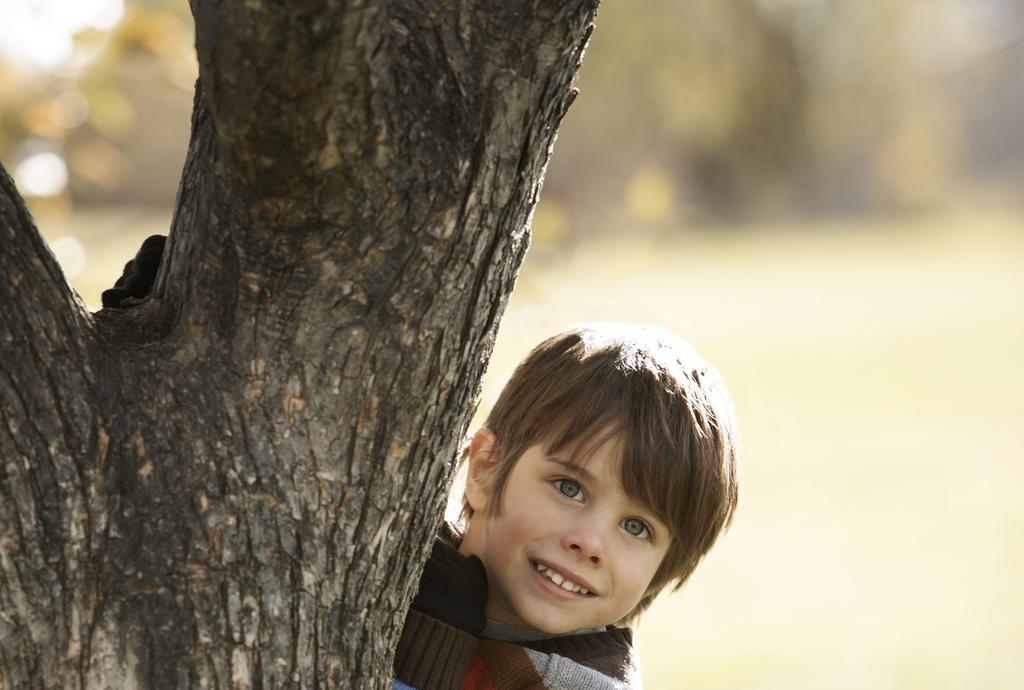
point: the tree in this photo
(234, 483)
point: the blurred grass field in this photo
(876, 369)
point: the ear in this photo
(482, 463)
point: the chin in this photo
(553, 628)
(555, 624)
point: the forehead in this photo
(599, 456)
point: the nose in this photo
(584, 543)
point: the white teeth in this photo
(562, 582)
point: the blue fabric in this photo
(399, 685)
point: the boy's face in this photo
(576, 524)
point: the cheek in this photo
(521, 526)
(531, 527)
(639, 576)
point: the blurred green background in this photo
(825, 197)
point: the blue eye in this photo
(569, 489)
(636, 528)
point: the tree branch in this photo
(305, 158)
(53, 444)
(32, 275)
(286, 84)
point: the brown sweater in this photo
(432, 655)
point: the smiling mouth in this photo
(562, 581)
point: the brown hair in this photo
(666, 408)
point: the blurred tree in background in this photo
(721, 110)
(734, 109)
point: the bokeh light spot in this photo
(550, 223)
(42, 174)
(71, 254)
(650, 196)
(40, 33)
(104, 14)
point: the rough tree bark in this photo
(234, 483)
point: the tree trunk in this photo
(234, 483)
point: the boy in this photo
(604, 473)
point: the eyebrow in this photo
(575, 469)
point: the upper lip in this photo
(567, 574)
